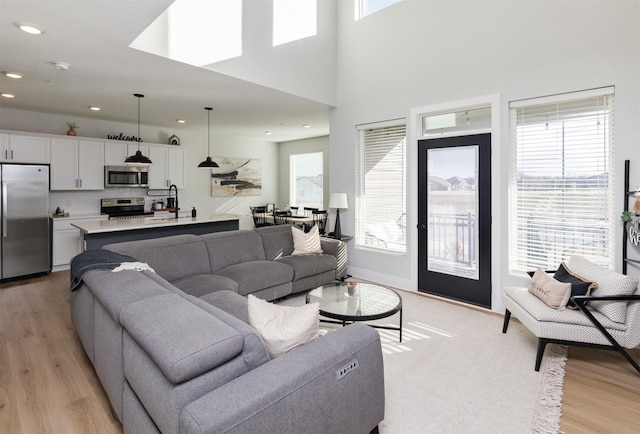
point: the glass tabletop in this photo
(351, 301)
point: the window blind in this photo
(380, 202)
(562, 180)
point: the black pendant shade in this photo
(138, 158)
(208, 163)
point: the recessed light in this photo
(268, 133)
(30, 28)
(306, 126)
(181, 121)
(62, 66)
(94, 108)
(12, 74)
(7, 95)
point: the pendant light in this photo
(138, 159)
(208, 163)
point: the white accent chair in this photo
(617, 296)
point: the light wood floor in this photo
(47, 384)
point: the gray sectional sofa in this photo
(175, 353)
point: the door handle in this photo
(4, 209)
(421, 226)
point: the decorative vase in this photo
(71, 132)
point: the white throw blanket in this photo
(137, 266)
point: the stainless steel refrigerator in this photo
(24, 220)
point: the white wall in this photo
(194, 142)
(306, 146)
(420, 53)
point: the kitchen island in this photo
(97, 233)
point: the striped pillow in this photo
(304, 243)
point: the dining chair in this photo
(280, 217)
(259, 214)
(320, 220)
(309, 210)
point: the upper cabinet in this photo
(77, 165)
(24, 149)
(167, 167)
(116, 152)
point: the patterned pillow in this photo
(579, 285)
(555, 294)
(306, 242)
(609, 283)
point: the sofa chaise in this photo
(174, 351)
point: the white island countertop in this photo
(135, 223)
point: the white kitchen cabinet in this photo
(167, 167)
(77, 165)
(115, 153)
(25, 149)
(66, 241)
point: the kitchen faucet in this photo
(176, 206)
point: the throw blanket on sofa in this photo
(102, 260)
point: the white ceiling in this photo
(93, 36)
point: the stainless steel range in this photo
(126, 207)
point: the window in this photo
(561, 181)
(306, 180)
(367, 7)
(380, 189)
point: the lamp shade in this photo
(338, 200)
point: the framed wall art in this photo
(236, 177)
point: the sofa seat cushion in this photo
(255, 275)
(541, 312)
(201, 284)
(230, 302)
(183, 340)
(309, 265)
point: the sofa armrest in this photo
(183, 340)
(338, 249)
(332, 384)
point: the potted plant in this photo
(72, 128)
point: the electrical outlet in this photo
(344, 370)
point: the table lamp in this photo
(338, 201)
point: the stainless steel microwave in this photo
(126, 176)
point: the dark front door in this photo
(454, 217)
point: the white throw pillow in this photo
(283, 327)
(306, 242)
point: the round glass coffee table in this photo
(348, 302)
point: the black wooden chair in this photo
(259, 214)
(320, 220)
(281, 217)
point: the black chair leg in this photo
(375, 430)
(542, 343)
(507, 317)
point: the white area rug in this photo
(456, 372)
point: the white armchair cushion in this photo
(609, 283)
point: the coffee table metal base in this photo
(348, 302)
